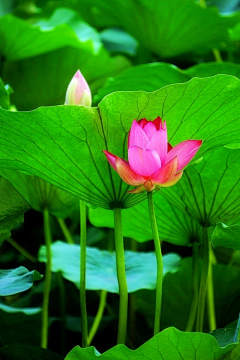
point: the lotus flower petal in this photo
(127, 174)
(149, 129)
(137, 190)
(165, 173)
(112, 159)
(78, 91)
(137, 136)
(159, 143)
(142, 123)
(173, 180)
(143, 162)
(185, 151)
(158, 123)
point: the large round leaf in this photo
(228, 236)
(174, 226)
(150, 77)
(176, 308)
(168, 345)
(101, 272)
(64, 144)
(147, 77)
(43, 79)
(42, 68)
(12, 208)
(41, 195)
(17, 280)
(168, 28)
(213, 68)
(27, 35)
(209, 191)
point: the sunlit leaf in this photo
(227, 236)
(32, 41)
(213, 68)
(44, 78)
(64, 144)
(67, 16)
(167, 28)
(147, 77)
(17, 280)
(150, 77)
(101, 272)
(174, 225)
(169, 344)
(209, 190)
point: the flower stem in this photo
(98, 318)
(159, 263)
(65, 231)
(210, 293)
(194, 305)
(48, 277)
(83, 250)
(62, 301)
(121, 274)
(203, 281)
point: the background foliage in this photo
(174, 59)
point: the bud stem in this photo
(83, 250)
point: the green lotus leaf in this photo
(63, 144)
(167, 345)
(4, 95)
(227, 236)
(209, 190)
(101, 272)
(17, 280)
(174, 226)
(12, 208)
(191, 28)
(41, 194)
(12, 28)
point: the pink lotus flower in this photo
(78, 91)
(153, 162)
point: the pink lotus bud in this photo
(78, 92)
(153, 162)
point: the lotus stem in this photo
(65, 231)
(158, 251)
(203, 281)
(121, 274)
(48, 277)
(21, 249)
(62, 298)
(83, 251)
(98, 318)
(210, 293)
(194, 305)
